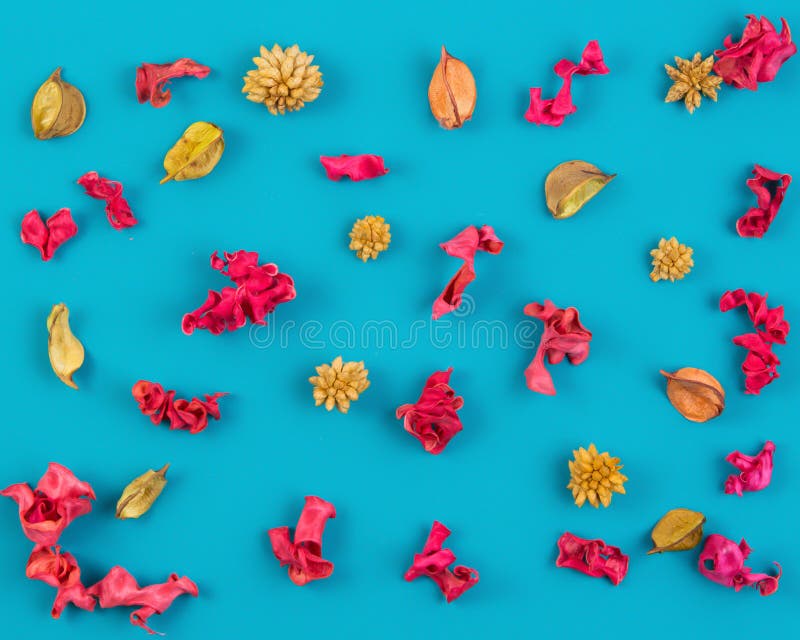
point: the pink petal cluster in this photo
(722, 561)
(593, 557)
(553, 111)
(755, 471)
(761, 365)
(563, 336)
(303, 555)
(48, 236)
(433, 419)
(757, 57)
(756, 222)
(61, 571)
(117, 209)
(465, 245)
(434, 561)
(259, 289)
(361, 167)
(188, 415)
(152, 79)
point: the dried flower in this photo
(370, 236)
(338, 383)
(152, 79)
(433, 419)
(722, 561)
(595, 477)
(48, 236)
(196, 153)
(118, 212)
(361, 167)
(65, 350)
(755, 471)
(58, 108)
(188, 415)
(692, 79)
(769, 188)
(671, 260)
(59, 570)
(696, 394)
(452, 93)
(571, 185)
(284, 80)
(678, 530)
(141, 493)
(593, 557)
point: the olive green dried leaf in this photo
(678, 530)
(141, 493)
(195, 154)
(65, 350)
(58, 108)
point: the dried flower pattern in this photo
(452, 93)
(61, 571)
(117, 209)
(563, 336)
(187, 415)
(339, 383)
(595, 558)
(433, 419)
(259, 289)
(553, 111)
(434, 561)
(755, 471)
(671, 260)
(48, 236)
(769, 187)
(361, 167)
(369, 237)
(465, 245)
(760, 367)
(692, 80)
(303, 555)
(283, 80)
(152, 79)
(595, 477)
(722, 561)
(757, 57)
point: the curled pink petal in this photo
(188, 415)
(433, 562)
(59, 570)
(118, 212)
(755, 471)
(48, 236)
(361, 167)
(152, 79)
(722, 561)
(769, 188)
(433, 419)
(593, 557)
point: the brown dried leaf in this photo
(65, 350)
(678, 530)
(141, 493)
(696, 394)
(571, 185)
(452, 93)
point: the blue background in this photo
(500, 485)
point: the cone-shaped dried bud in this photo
(571, 185)
(58, 108)
(696, 394)
(452, 93)
(65, 350)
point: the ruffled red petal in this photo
(117, 210)
(152, 79)
(433, 419)
(48, 236)
(361, 167)
(59, 570)
(757, 220)
(188, 415)
(755, 471)
(593, 557)
(722, 561)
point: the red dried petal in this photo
(756, 222)
(188, 415)
(552, 112)
(117, 210)
(361, 167)
(49, 236)
(593, 557)
(756, 471)
(433, 419)
(59, 570)
(722, 561)
(151, 79)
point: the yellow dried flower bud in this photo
(283, 80)
(595, 477)
(370, 236)
(338, 383)
(671, 260)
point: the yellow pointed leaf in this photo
(141, 493)
(678, 530)
(195, 154)
(65, 350)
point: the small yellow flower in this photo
(671, 260)
(692, 79)
(338, 383)
(595, 477)
(370, 236)
(283, 80)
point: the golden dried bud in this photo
(571, 185)
(65, 350)
(195, 154)
(141, 493)
(678, 530)
(452, 93)
(696, 394)
(58, 108)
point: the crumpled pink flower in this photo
(361, 167)
(553, 111)
(593, 557)
(722, 561)
(756, 471)
(465, 245)
(433, 562)
(259, 289)
(757, 57)
(152, 79)
(59, 570)
(58, 499)
(304, 554)
(433, 419)
(761, 365)
(48, 236)
(563, 335)
(117, 209)
(756, 222)
(188, 415)
(120, 589)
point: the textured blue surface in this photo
(500, 484)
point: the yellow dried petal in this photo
(571, 185)
(65, 350)
(678, 530)
(58, 108)
(141, 493)
(196, 153)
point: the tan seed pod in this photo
(571, 185)
(58, 108)
(65, 350)
(195, 154)
(141, 493)
(452, 93)
(696, 394)
(678, 530)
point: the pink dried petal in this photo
(188, 415)
(464, 246)
(433, 419)
(59, 570)
(722, 561)
(49, 236)
(756, 471)
(552, 112)
(361, 167)
(757, 220)
(152, 79)
(593, 557)
(118, 212)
